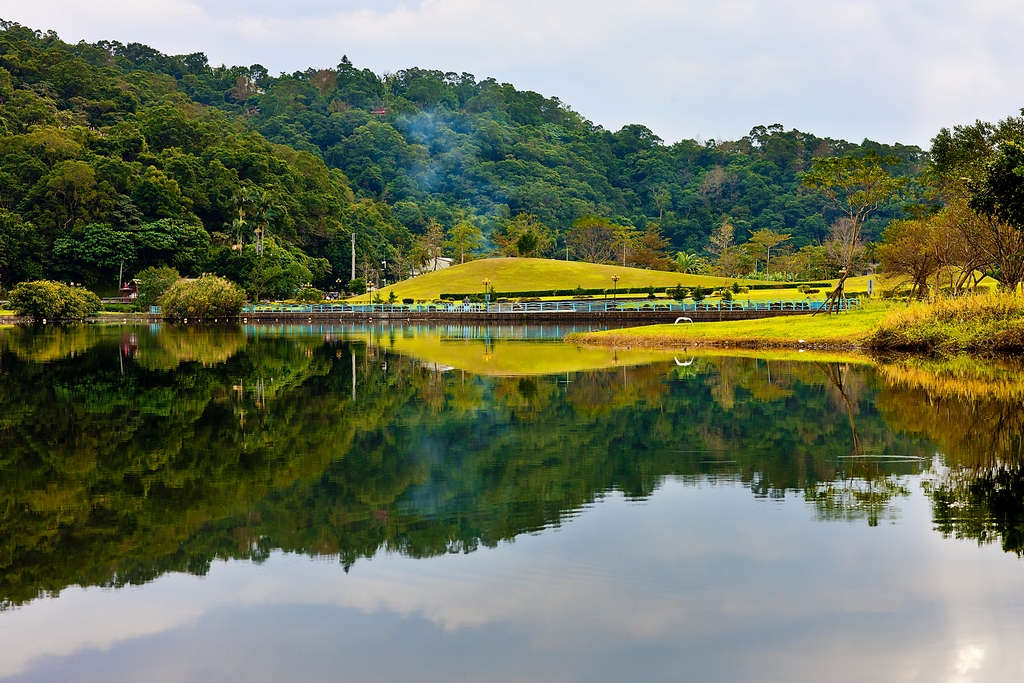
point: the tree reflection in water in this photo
(126, 453)
(973, 411)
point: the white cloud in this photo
(892, 70)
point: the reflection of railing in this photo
(549, 307)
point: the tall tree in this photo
(464, 237)
(856, 186)
(767, 240)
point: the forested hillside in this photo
(116, 156)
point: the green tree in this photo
(464, 237)
(689, 263)
(856, 186)
(767, 240)
(524, 236)
(153, 282)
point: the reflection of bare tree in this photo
(861, 489)
(837, 374)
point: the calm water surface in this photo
(491, 504)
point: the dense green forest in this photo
(115, 157)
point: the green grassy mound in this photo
(517, 274)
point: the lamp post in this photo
(487, 294)
(615, 287)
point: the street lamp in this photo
(384, 270)
(487, 294)
(615, 286)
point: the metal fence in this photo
(549, 307)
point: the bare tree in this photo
(592, 239)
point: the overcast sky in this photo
(890, 70)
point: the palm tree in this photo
(688, 263)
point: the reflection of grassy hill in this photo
(510, 357)
(520, 274)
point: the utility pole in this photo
(353, 257)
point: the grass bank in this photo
(974, 324)
(847, 330)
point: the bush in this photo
(985, 323)
(408, 301)
(726, 295)
(309, 295)
(207, 297)
(698, 293)
(49, 300)
(357, 286)
(153, 282)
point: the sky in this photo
(888, 70)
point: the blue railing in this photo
(549, 307)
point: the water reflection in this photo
(128, 453)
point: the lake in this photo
(359, 503)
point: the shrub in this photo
(408, 301)
(735, 288)
(207, 297)
(726, 295)
(357, 286)
(46, 299)
(698, 293)
(650, 293)
(153, 282)
(309, 295)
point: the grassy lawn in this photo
(521, 274)
(847, 329)
(524, 274)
